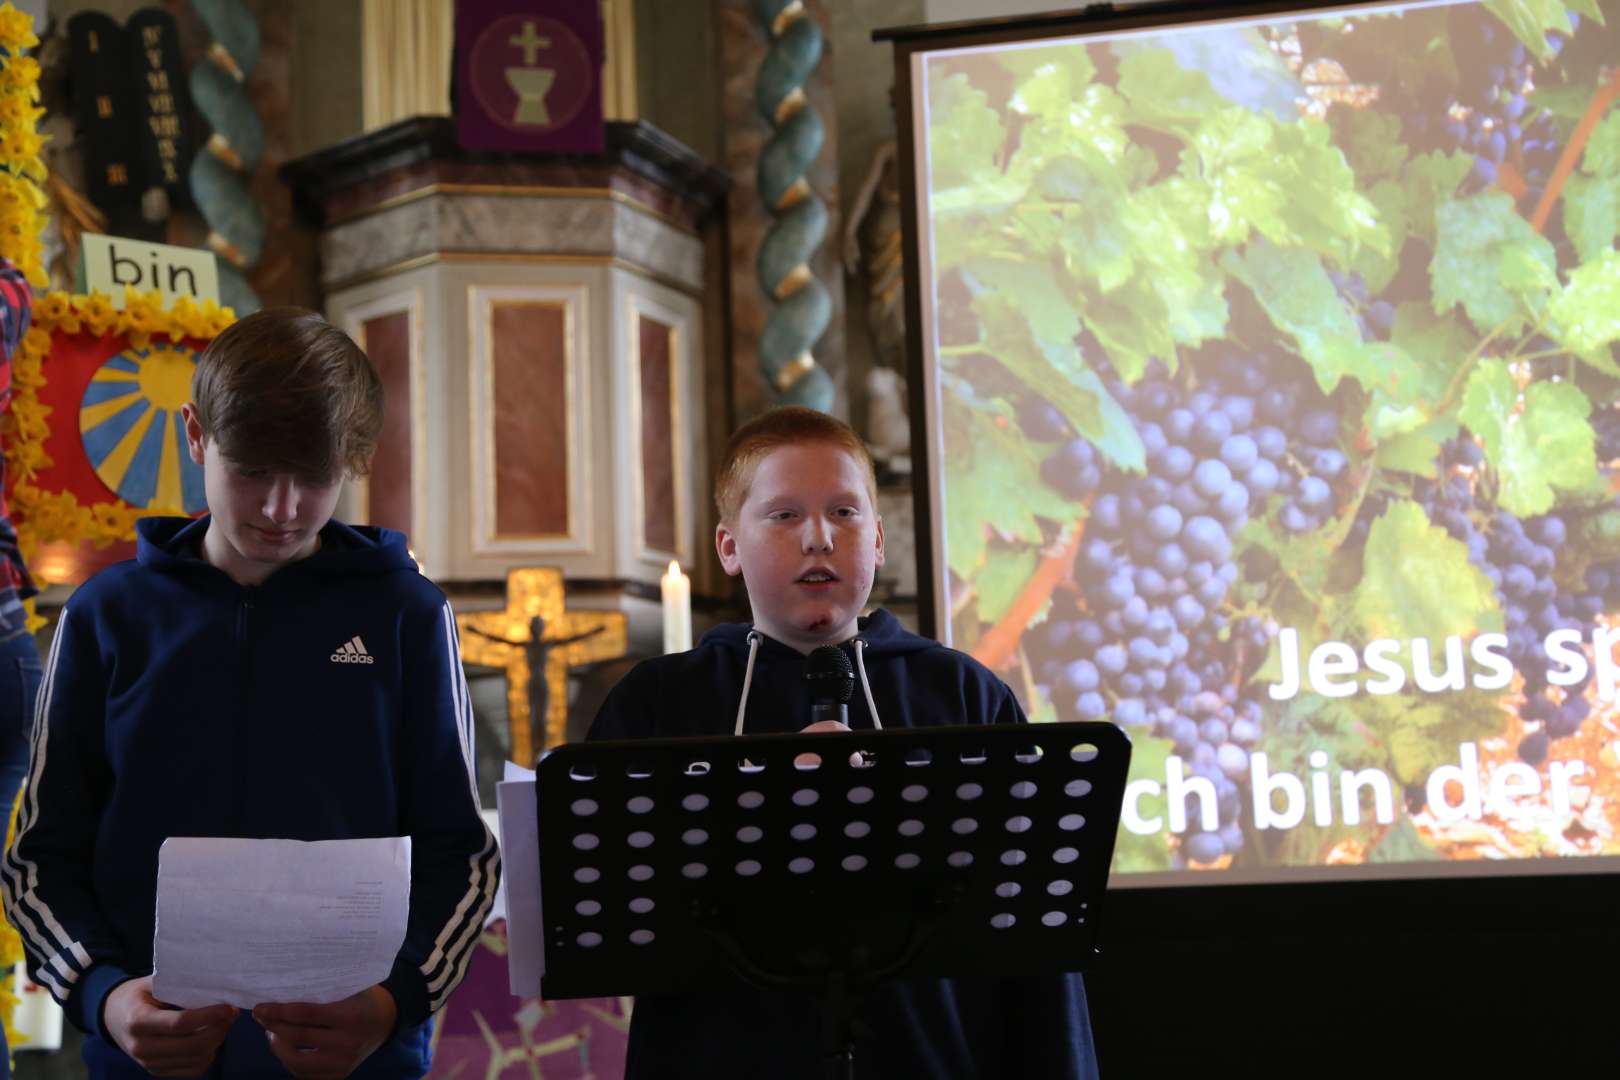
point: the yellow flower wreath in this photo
(22, 218)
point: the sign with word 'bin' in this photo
(112, 262)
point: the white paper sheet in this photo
(245, 922)
(520, 877)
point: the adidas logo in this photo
(353, 651)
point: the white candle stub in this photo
(677, 593)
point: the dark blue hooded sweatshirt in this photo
(326, 703)
(923, 1029)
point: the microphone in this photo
(831, 679)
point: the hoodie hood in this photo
(878, 637)
(173, 544)
(739, 681)
(881, 631)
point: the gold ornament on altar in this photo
(536, 640)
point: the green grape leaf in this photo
(1536, 445)
(1417, 451)
(1439, 345)
(1296, 293)
(1400, 411)
(1002, 579)
(1196, 303)
(1326, 211)
(1589, 9)
(992, 480)
(1585, 316)
(1567, 102)
(1168, 227)
(1372, 143)
(1378, 268)
(1481, 260)
(1602, 154)
(1591, 207)
(1052, 79)
(1376, 365)
(1430, 180)
(1529, 20)
(1133, 324)
(1387, 417)
(1165, 95)
(1025, 63)
(1042, 354)
(1088, 121)
(1418, 582)
(1236, 61)
(1235, 151)
(1114, 433)
(965, 136)
(1031, 287)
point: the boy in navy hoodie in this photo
(798, 520)
(264, 671)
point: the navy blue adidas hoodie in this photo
(938, 1029)
(177, 702)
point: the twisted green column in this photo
(801, 309)
(222, 170)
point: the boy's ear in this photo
(725, 545)
(194, 432)
(877, 562)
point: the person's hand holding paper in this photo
(255, 922)
(164, 1041)
(320, 1041)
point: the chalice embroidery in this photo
(531, 84)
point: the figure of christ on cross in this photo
(537, 651)
(514, 639)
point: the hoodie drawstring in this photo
(866, 685)
(748, 678)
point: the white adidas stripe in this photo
(360, 646)
(452, 949)
(21, 876)
(461, 957)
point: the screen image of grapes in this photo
(1273, 396)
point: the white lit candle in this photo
(677, 591)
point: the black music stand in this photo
(682, 865)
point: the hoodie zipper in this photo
(238, 733)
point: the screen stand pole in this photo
(838, 1029)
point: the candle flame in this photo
(674, 569)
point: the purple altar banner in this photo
(485, 1033)
(529, 75)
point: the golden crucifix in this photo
(535, 640)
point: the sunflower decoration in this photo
(22, 218)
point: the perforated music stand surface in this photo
(703, 864)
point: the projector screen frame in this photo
(1590, 884)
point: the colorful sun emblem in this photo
(133, 434)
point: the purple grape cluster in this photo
(1521, 558)
(1145, 635)
(1491, 117)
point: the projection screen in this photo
(1269, 387)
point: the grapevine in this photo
(1321, 340)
